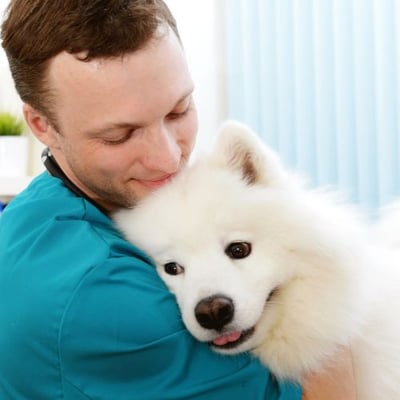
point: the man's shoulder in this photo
(50, 234)
(45, 198)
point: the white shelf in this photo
(10, 187)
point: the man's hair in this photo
(34, 31)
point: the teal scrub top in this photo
(83, 314)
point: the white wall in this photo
(8, 97)
(200, 26)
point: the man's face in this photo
(126, 125)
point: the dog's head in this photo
(234, 238)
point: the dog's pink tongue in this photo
(224, 339)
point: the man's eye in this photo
(238, 250)
(118, 140)
(114, 142)
(176, 115)
(173, 268)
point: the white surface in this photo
(9, 187)
(13, 156)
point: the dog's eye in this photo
(238, 250)
(173, 268)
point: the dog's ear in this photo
(240, 149)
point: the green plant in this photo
(11, 125)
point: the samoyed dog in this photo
(260, 263)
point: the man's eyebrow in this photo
(185, 96)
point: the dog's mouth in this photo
(232, 339)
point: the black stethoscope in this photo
(54, 170)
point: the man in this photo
(83, 315)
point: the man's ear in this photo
(40, 126)
(241, 150)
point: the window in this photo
(318, 79)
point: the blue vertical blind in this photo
(319, 81)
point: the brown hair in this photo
(34, 31)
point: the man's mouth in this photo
(232, 339)
(157, 183)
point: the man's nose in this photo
(163, 152)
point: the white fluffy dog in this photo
(259, 263)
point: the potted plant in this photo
(13, 146)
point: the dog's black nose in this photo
(214, 312)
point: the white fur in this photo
(338, 284)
